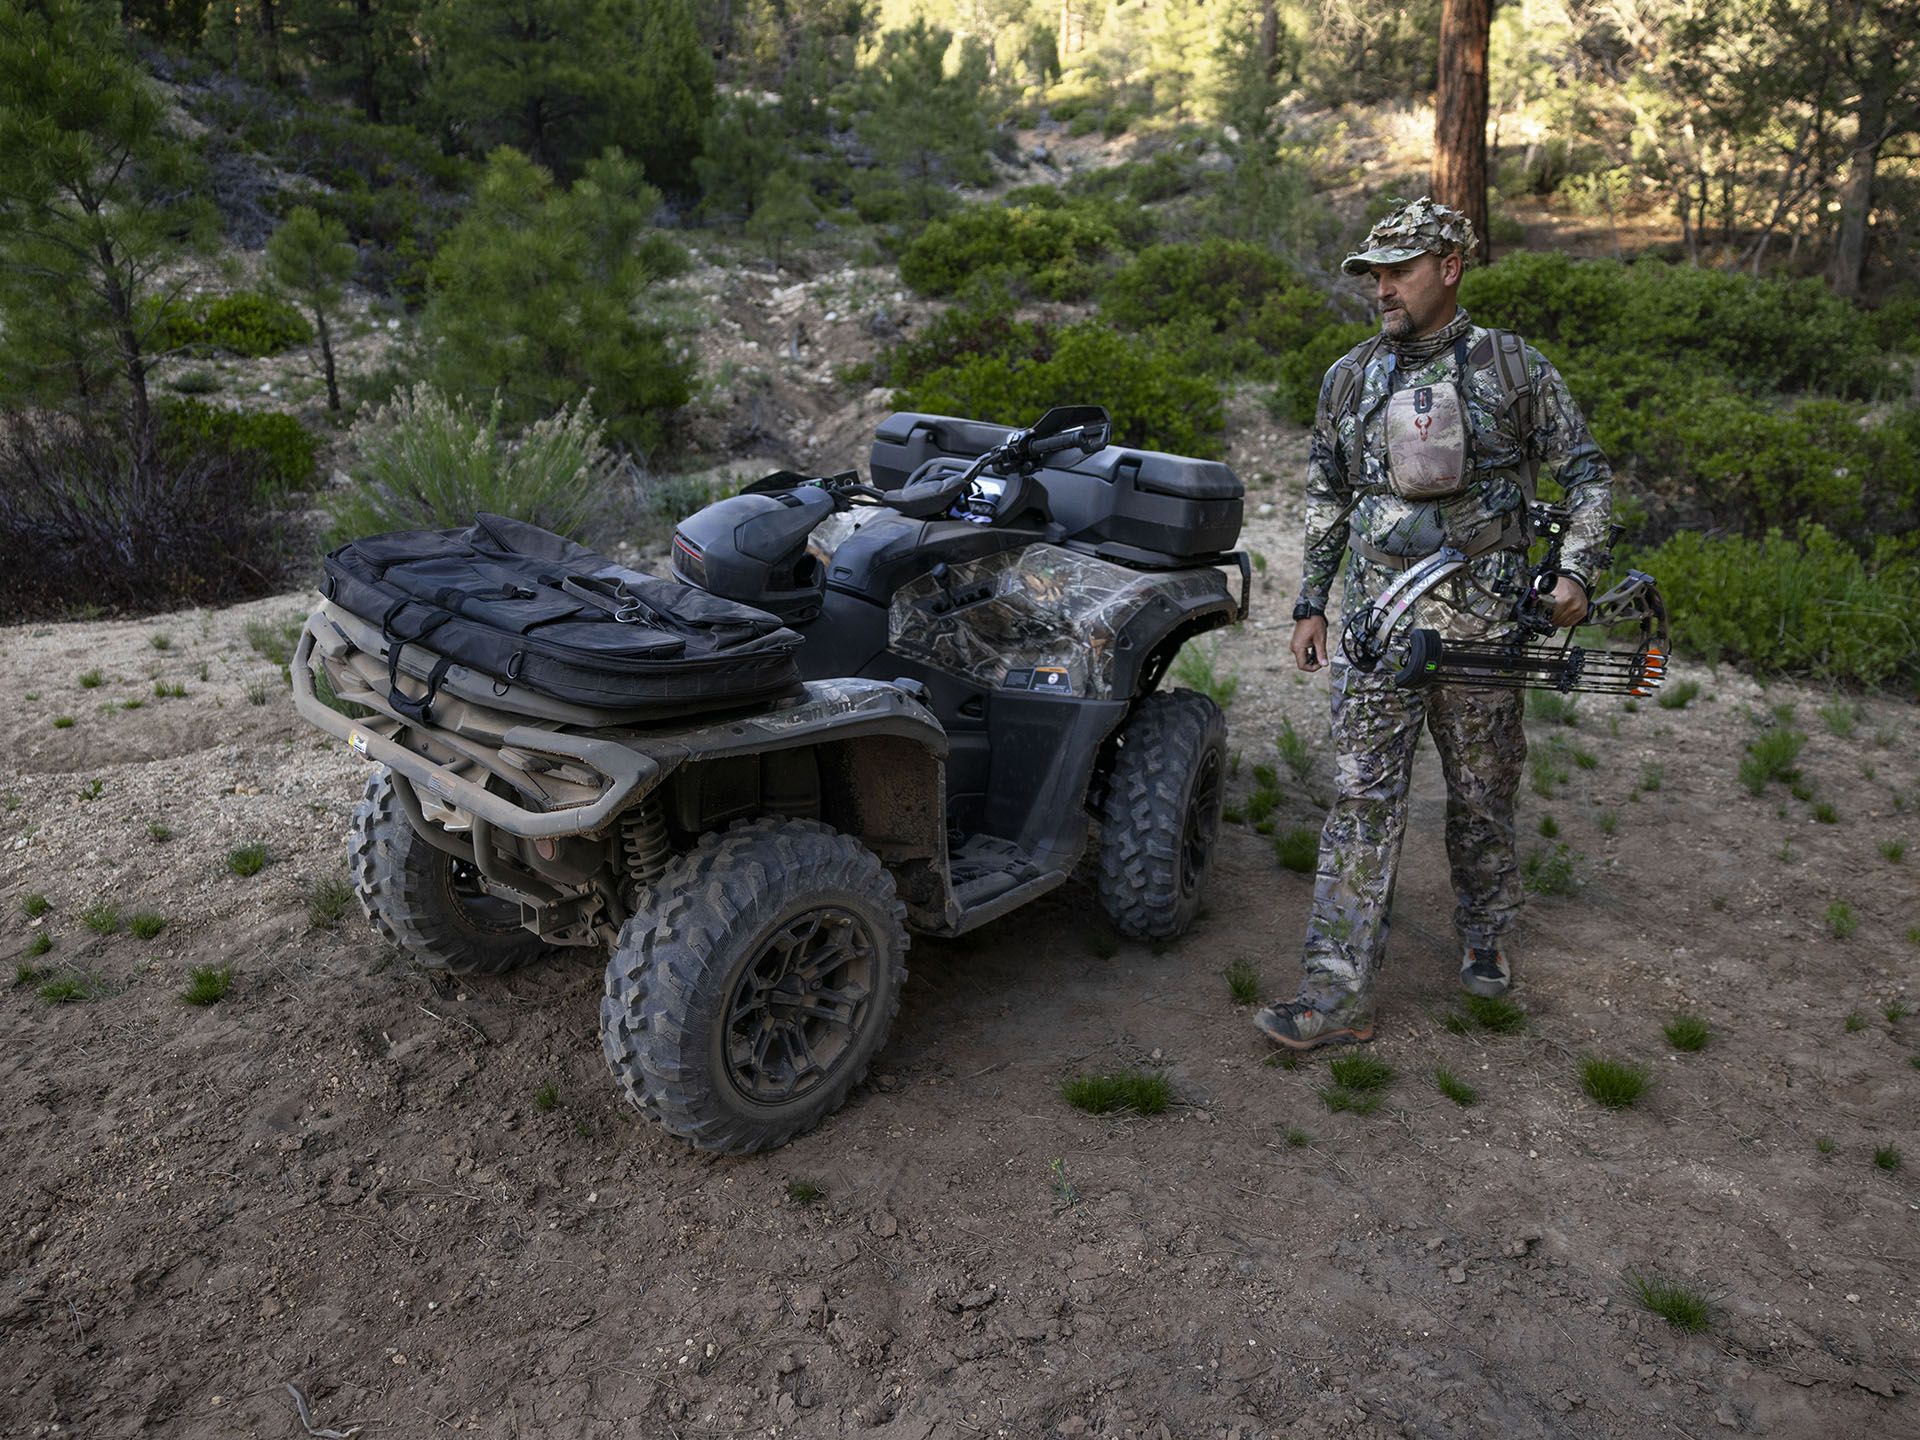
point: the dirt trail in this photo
(423, 1202)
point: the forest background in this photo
(510, 195)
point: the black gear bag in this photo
(528, 607)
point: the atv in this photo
(980, 634)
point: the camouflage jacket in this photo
(1371, 511)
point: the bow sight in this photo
(1629, 659)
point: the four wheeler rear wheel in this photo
(1162, 813)
(752, 996)
(426, 901)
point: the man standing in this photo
(1428, 434)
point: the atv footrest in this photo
(985, 866)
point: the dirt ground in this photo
(423, 1203)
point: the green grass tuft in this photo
(27, 974)
(40, 944)
(1894, 850)
(1615, 1084)
(1652, 776)
(1841, 920)
(1678, 697)
(1679, 1305)
(328, 901)
(69, 990)
(1551, 872)
(207, 984)
(248, 859)
(1297, 1138)
(1887, 1157)
(1243, 982)
(102, 919)
(1294, 751)
(163, 691)
(159, 833)
(1355, 1102)
(1360, 1072)
(1842, 717)
(1826, 814)
(1197, 668)
(547, 1098)
(804, 1192)
(160, 640)
(35, 905)
(1552, 707)
(1854, 1023)
(1495, 1013)
(1141, 1092)
(92, 790)
(1549, 827)
(1896, 1012)
(63, 722)
(1771, 757)
(1686, 1032)
(1298, 849)
(1454, 1088)
(146, 925)
(92, 680)
(1824, 1144)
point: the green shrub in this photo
(1771, 756)
(1055, 253)
(1229, 306)
(207, 984)
(1809, 606)
(246, 323)
(1155, 400)
(282, 448)
(1301, 372)
(425, 462)
(1771, 334)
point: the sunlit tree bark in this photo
(1459, 175)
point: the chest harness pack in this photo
(1431, 443)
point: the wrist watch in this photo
(1306, 610)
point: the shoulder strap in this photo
(1506, 354)
(1349, 377)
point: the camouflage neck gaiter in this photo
(1423, 349)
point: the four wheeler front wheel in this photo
(1162, 815)
(426, 901)
(752, 996)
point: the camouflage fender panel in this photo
(1042, 618)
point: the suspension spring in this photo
(643, 843)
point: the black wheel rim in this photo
(800, 1005)
(472, 902)
(1203, 819)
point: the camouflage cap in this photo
(1416, 228)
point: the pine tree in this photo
(741, 146)
(928, 125)
(543, 292)
(362, 49)
(786, 213)
(94, 200)
(311, 257)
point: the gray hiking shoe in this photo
(1485, 971)
(1300, 1025)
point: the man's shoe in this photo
(1485, 972)
(1299, 1025)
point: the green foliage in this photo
(1887, 1157)
(424, 462)
(802, 1191)
(1841, 920)
(1679, 1305)
(282, 449)
(542, 294)
(1018, 370)
(1810, 606)
(1295, 753)
(1615, 1084)
(565, 80)
(1686, 1032)
(70, 990)
(1301, 373)
(1771, 334)
(249, 859)
(35, 905)
(1553, 707)
(274, 640)
(1770, 756)
(1495, 1013)
(39, 945)
(1298, 849)
(547, 1098)
(1243, 981)
(925, 121)
(103, 918)
(1140, 1092)
(1197, 667)
(146, 925)
(245, 323)
(1055, 253)
(1678, 697)
(91, 679)
(207, 984)
(1454, 1088)
(1229, 306)
(742, 146)
(1550, 872)
(786, 213)
(1360, 1072)
(310, 255)
(328, 901)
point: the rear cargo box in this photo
(1136, 506)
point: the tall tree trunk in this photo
(1459, 176)
(326, 359)
(369, 78)
(1856, 191)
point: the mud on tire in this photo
(1161, 819)
(424, 900)
(753, 995)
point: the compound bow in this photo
(1629, 659)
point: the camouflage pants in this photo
(1483, 749)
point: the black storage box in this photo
(1138, 506)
